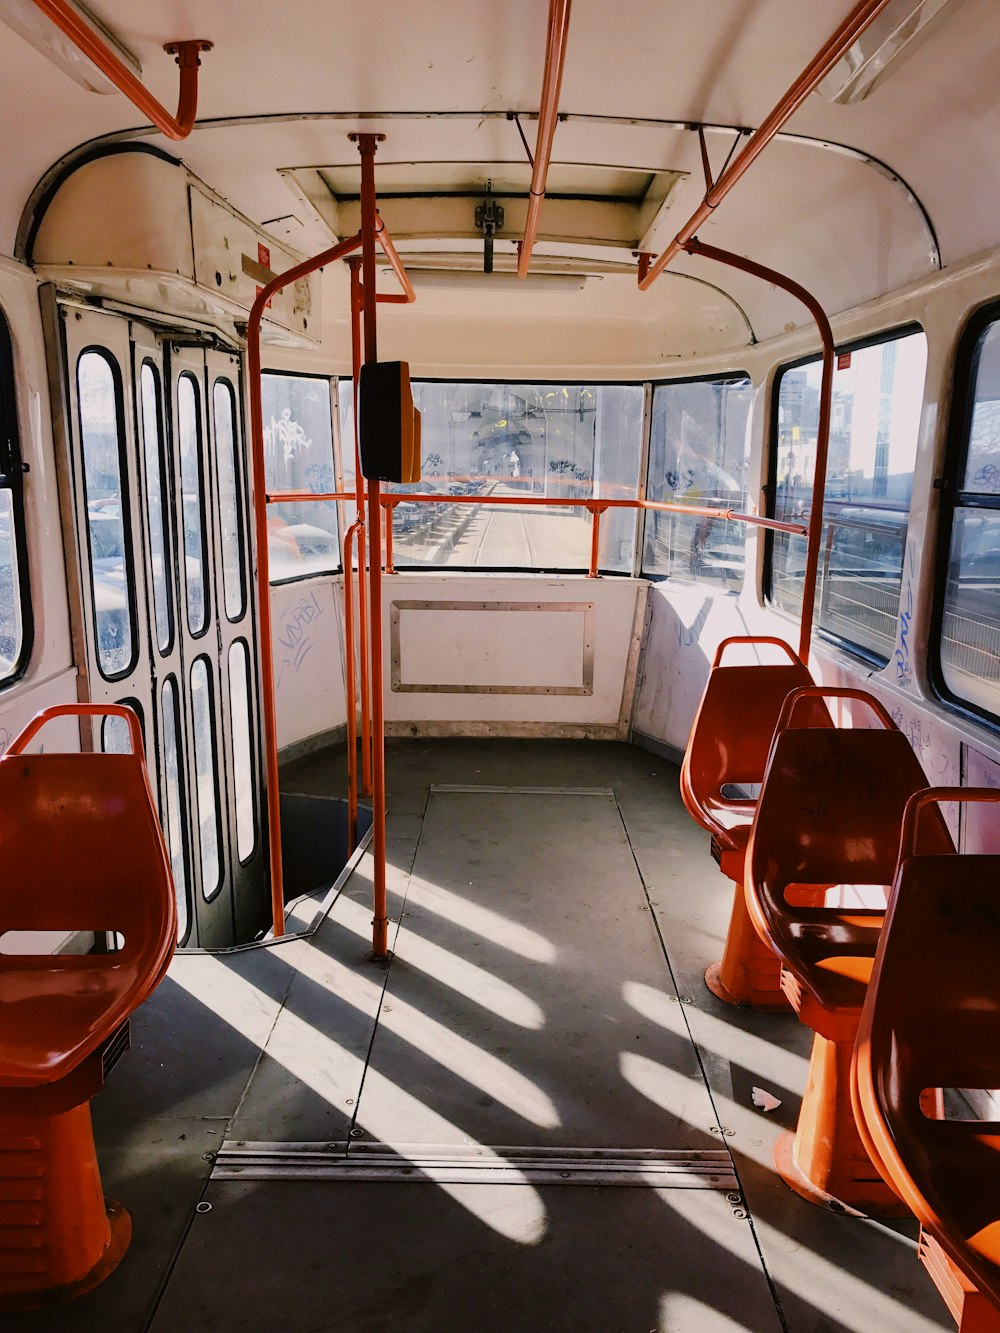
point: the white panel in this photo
(515, 650)
(498, 648)
(308, 659)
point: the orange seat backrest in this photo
(831, 806)
(731, 735)
(81, 850)
(932, 1020)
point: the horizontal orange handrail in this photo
(95, 48)
(128, 715)
(540, 501)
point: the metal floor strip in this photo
(456, 1164)
(470, 788)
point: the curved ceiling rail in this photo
(93, 46)
(548, 116)
(118, 140)
(813, 74)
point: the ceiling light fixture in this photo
(461, 279)
(883, 43)
(35, 27)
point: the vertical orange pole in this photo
(595, 539)
(367, 146)
(352, 720)
(359, 488)
(389, 507)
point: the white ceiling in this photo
(846, 228)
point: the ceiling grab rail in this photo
(695, 247)
(813, 74)
(548, 117)
(95, 48)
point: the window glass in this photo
(115, 735)
(239, 713)
(14, 625)
(173, 801)
(224, 411)
(970, 623)
(298, 456)
(506, 441)
(11, 632)
(156, 500)
(698, 455)
(107, 531)
(205, 769)
(877, 396)
(192, 502)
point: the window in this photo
(239, 716)
(206, 773)
(173, 800)
(192, 501)
(875, 416)
(968, 637)
(302, 537)
(230, 500)
(698, 455)
(15, 625)
(115, 735)
(105, 488)
(156, 505)
(557, 441)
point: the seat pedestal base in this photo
(825, 1160)
(59, 1237)
(971, 1310)
(749, 973)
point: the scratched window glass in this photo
(875, 418)
(298, 456)
(970, 621)
(518, 443)
(698, 454)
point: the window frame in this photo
(12, 473)
(167, 501)
(965, 366)
(541, 384)
(333, 383)
(770, 488)
(222, 381)
(720, 377)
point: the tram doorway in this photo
(157, 485)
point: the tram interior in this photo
(528, 1110)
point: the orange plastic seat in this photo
(728, 748)
(931, 1020)
(829, 814)
(80, 850)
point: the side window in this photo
(302, 536)
(15, 620)
(698, 455)
(157, 520)
(877, 397)
(105, 487)
(968, 667)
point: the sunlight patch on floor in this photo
(843, 1296)
(327, 1069)
(477, 1067)
(724, 1038)
(490, 925)
(468, 979)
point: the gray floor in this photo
(544, 994)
